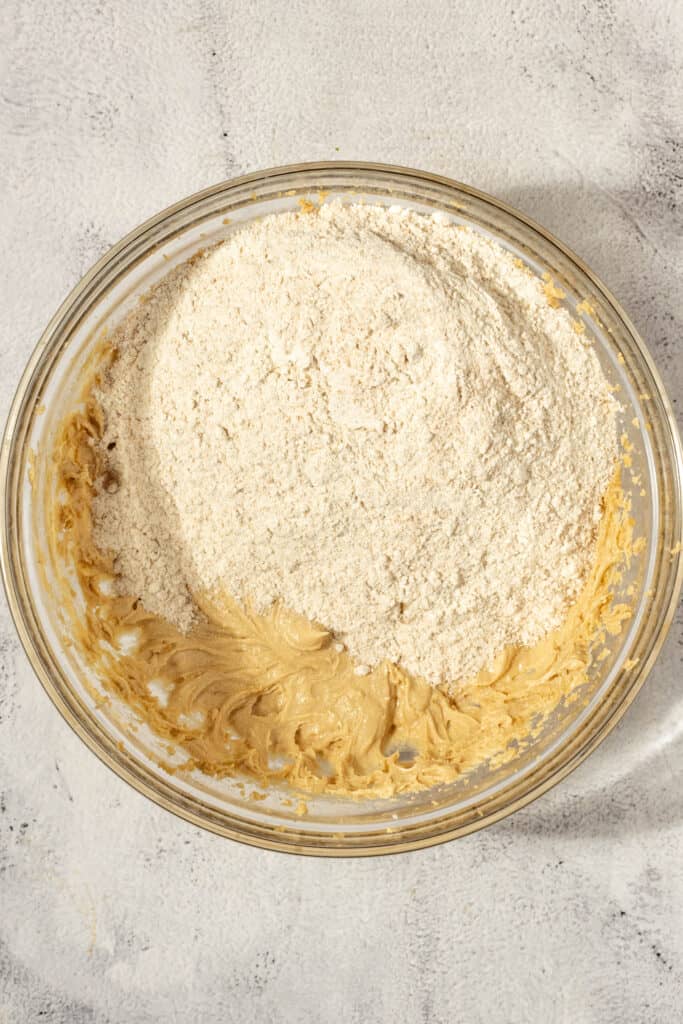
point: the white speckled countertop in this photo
(111, 910)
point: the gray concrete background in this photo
(111, 910)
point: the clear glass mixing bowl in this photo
(331, 826)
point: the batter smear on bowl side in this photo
(350, 480)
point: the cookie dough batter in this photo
(272, 696)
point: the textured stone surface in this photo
(111, 910)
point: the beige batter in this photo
(272, 696)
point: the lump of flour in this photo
(371, 415)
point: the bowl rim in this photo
(291, 840)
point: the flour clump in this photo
(371, 415)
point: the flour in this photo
(370, 414)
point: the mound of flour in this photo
(367, 413)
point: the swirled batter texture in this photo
(271, 696)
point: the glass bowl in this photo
(332, 826)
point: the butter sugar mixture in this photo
(369, 416)
(344, 505)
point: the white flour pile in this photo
(371, 415)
